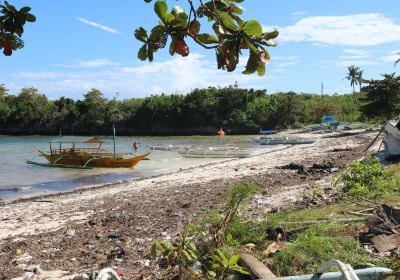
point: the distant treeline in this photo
(202, 111)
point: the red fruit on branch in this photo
(181, 48)
(155, 45)
(7, 50)
(263, 57)
(230, 11)
(192, 31)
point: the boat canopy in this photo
(73, 139)
(266, 131)
(328, 119)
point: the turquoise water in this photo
(18, 179)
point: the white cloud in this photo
(97, 63)
(320, 45)
(285, 61)
(352, 30)
(353, 57)
(299, 13)
(98, 25)
(100, 62)
(175, 75)
(356, 51)
(392, 57)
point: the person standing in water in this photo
(135, 146)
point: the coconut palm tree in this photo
(397, 61)
(352, 76)
(360, 78)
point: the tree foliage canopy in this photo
(231, 34)
(382, 99)
(12, 23)
(201, 111)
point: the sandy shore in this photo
(144, 210)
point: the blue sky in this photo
(78, 45)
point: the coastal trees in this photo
(201, 111)
(231, 34)
(92, 110)
(355, 77)
(12, 23)
(382, 99)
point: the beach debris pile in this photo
(382, 231)
(104, 274)
(325, 167)
(32, 272)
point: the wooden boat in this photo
(215, 152)
(82, 154)
(392, 140)
(282, 140)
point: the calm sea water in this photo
(19, 179)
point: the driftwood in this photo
(373, 141)
(256, 268)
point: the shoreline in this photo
(155, 206)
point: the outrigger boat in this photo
(85, 154)
(282, 140)
(215, 152)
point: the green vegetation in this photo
(331, 234)
(202, 111)
(208, 260)
(382, 98)
(12, 23)
(231, 34)
(366, 178)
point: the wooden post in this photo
(256, 268)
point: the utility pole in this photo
(322, 91)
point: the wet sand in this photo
(141, 211)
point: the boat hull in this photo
(209, 153)
(87, 160)
(391, 141)
(283, 141)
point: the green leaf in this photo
(160, 8)
(228, 21)
(207, 38)
(252, 28)
(252, 64)
(233, 260)
(229, 237)
(172, 46)
(142, 53)
(195, 26)
(261, 68)
(240, 270)
(239, 21)
(250, 44)
(237, 9)
(223, 257)
(10, 7)
(157, 32)
(154, 250)
(25, 10)
(189, 258)
(141, 34)
(270, 35)
(30, 18)
(169, 18)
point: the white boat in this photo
(215, 152)
(392, 140)
(168, 147)
(285, 140)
